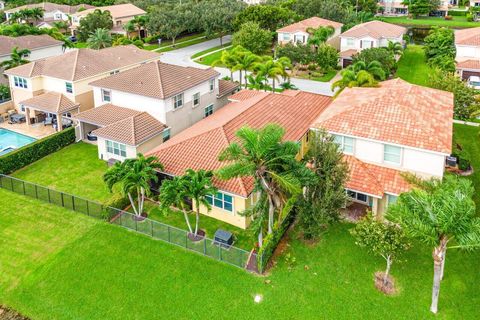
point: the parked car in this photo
(474, 82)
(72, 38)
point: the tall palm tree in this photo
(246, 61)
(134, 176)
(351, 79)
(100, 39)
(395, 47)
(271, 162)
(36, 14)
(257, 82)
(198, 186)
(374, 68)
(229, 60)
(320, 35)
(270, 69)
(138, 23)
(174, 193)
(284, 63)
(129, 27)
(16, 58)
(438, 214)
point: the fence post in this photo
(168, 231)
(48, 191)
(73, 203)
(205, 245)
(24, 192)
(151, 225)
(136, 223)
(186, 239)
(36, 191)
(11, 183)
(220, 251)
(61, 197)
(88, 208)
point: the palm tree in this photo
(351, 79)
(257, 82)
(438, 214)
(288, 86)
(129, 27)
(134, 176)
(15, 17)
(374, 68)
(284, 63)
(173, 193)
(246, 61)
(395, 47)
(269, 69)
(61, 26)
(198, 186)
(138, 23)
(36, 14)
(100, 39)
(271, 162)
(16, 58)
(320, 35)
(229, 60)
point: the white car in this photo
(474, 82)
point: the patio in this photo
(37, 130)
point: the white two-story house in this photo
(175, 96)
(40, 47)
(386, 131)
(372, 34)
(467, 44)
(299, 32)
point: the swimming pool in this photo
(10, 140)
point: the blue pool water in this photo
(10, 141)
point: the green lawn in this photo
(67, 266)
(211, 58)
(469, 138)
(412, 66)
(81, 45)
(325, 78)
(456, 22)
(75, 169)
(201, 53)
(166, 43)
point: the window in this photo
(345, 143)
(166, 134)
(350, 42)
(106, 95)
(221, 200)
(357, 196)
(116, 148)
(68, 87)
(392, 154)
(212, 84)
(196, 99)
(208, 110)
(58, 16)
(286, 37)
(20, 82)
(391, 199)
(178, 101)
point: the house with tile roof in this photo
(40, 46)
(372, 34)
(299, 32)
(467, 43)
(69, 75)
(387, 131)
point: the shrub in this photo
(382, 55)
(457, 13)
(327, 57)
(117, 201)
(30, 153)
(469, 17)
(253, 38)
(463, 157)
(448, 18)
(296, 53)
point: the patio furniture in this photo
(48, 121)
(91, 136)
(17, 118)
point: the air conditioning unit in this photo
(451, 161)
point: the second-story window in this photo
(178, 101)
(392, 154)
(166, 134)
(20, 82)
(350, 42)
(208, 110)
(68, 87)
(212, 84)
(196, 99)
(106, 95)
(346, 144)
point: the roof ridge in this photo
(74, 71)
(60, 96)
(160, 82)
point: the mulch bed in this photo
(387, 288)
(464, 173)
(200, 236)
(9, 314)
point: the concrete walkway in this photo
(183, 56)
(468, 123)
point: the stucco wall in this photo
(468, 52)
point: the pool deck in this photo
(36, 131)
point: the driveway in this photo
(182, 57)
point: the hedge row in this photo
(117, 201)
(30, 153)
(271, 241)
(457, 13)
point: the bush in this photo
(296, 53)
(253, 38)
(382, 55)
(117, 201)
(327, 57)
(448, 17)
(469, 17)
(455, 13)
(152, 39)
(30, 153)
(271, 241)
(463, 157)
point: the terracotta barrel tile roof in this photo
(397, 112)
(26, 42)
(225, 87)
(133, 130)
(157, 79)
(50, 7)
(348, 53)
(105, 115)
(117, 11)
(472, 64)
(375, 29)
(313, 22)
(469, 37)
(52, 102)
(211, 135)
(84, 63)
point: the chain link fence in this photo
(157, 230)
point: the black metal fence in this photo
(157, 230)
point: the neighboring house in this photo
(69, 75)
(2, 5)
(121, 14)
(52, 11)
(386, 131)
(298, 32)
(41, 47)
(370, 34)
(474, 3)
(121, 133)
(174, 95)
(397, 8)
(467, 43)
(198, 147)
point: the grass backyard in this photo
(456, 22)
(412, 66)
(201, 53)
(68, 266)
(208, 60)
(75, 169)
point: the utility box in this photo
(223, 238)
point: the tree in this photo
(136, 24)
(324, 197)
(134, 176)
(319, 36)
(16, 58)
(217, 16)
(297, 54)
(395, 48)
(466, 102)
(198, 186)
(100, 39)
(253, 38)
(96, 20)
(381, 55)
(439, 213)
(62, 26)
(36, 14)
(270, 69)
(327, 57)
(174, 193)
(374, 68)
(350, 79)
(267, 16)
(367, 6)
(229, 60)
(278, 176)
(257, 82)
(440, 48)
(421, 7)
(336, 10)
(245, 61)
(169, 23)
(383, 239)
(4, 92)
